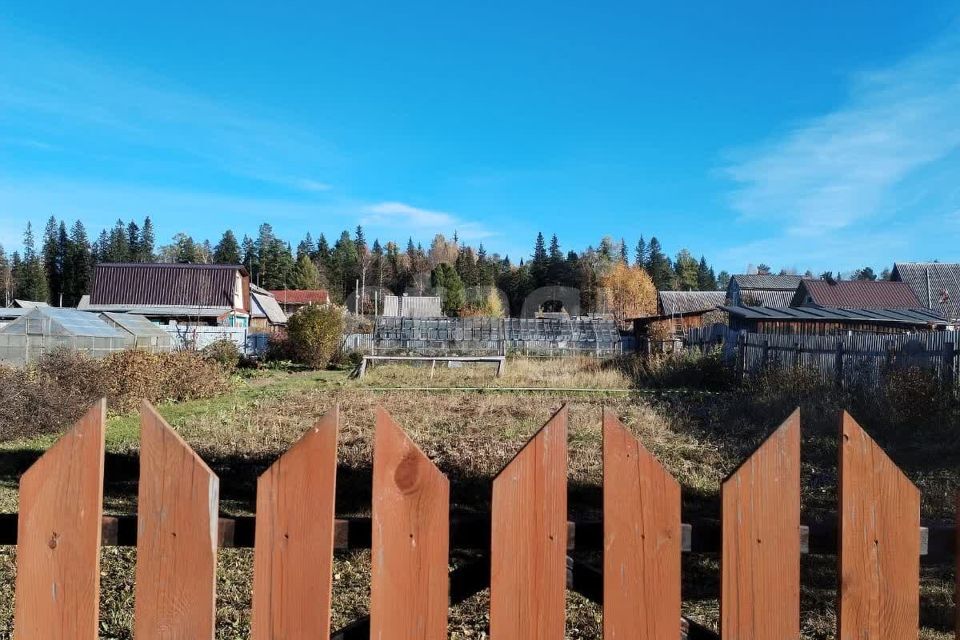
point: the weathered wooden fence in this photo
(760, 539)
(860, 358)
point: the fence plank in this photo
(177, 536)
(642, 537)
(58, 552)
(293, 554)
(879, 542)
(529, 539)
(409, 591)
(760, 567)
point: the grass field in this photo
(470, 434)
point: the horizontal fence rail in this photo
(525, 545)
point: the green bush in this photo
(314, 335)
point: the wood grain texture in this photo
(879, 542)
(58, 552)
(177, 536)
(293, 553)
(409, 591)
(641, 540)
(529, 539)
(760, 564)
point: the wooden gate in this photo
(295, 532)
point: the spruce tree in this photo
(540, 262)
(6, 280)
(147, 241)
(78, 263)
(134, 243)
(640, 253)
(53, 260)
(31, 279)
(227, 250)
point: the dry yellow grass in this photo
(470, 435)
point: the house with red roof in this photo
(292, 300)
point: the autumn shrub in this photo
(314, 335)
(223, 352)
(690, 369)
(52, 393)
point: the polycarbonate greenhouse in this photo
(47, 328)
(146, 335)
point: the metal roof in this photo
(201, 285)
(763, 298)
(766, 281)
(853, 294)
(301, 296)
(61, 321)
(266, 306)
(180, 311)
(29, 304)
(681, 302)
(937, 284)
(833, 314)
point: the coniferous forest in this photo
(56, 266)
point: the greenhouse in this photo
(45, 329)
(146, 335)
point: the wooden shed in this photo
(823, 321)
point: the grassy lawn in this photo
(470, 434)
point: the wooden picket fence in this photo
(177, 532)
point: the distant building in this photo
(936, 284)
(265, 311)
(678, 311)
(292, 300)
(412, 307)
(193, 294)
(827, 321)
(761, 290)
(856, 294)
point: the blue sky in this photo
(814, 136)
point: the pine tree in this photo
(78, 263)
(344, 262)
(147, 241)
(249, 259)
(706, 280)
(31, 281)
(306, 247)
(445, 280)
(658, 266)
(723, 280)
(227, 250)
(540, 262)
(52, 260)
(305, 274)
(6, 280)
(134, 243)
(624, 258)
(640, 253)
(360, 241)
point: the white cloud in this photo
(398, 215)
(843, 172)
(100, 109)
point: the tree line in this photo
(59, 270)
